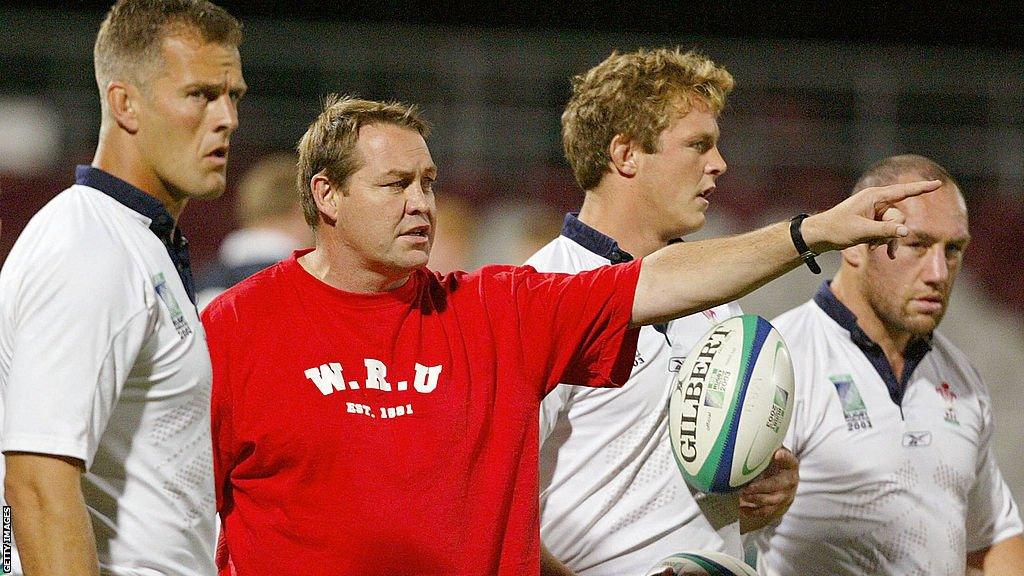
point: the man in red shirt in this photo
(373, 417)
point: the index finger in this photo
(889, 195)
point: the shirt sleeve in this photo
(575, 328)
(78, 323)
(992, 513)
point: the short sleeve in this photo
(992, 513)
(77, 323)
(575, 328)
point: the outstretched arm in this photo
(688, 277)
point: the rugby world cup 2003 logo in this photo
(854, 409)
(171, 303)
(946, 391)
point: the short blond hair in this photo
(329, 145)
(128, 45)
(637, 94)
(267, 189)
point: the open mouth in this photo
(706, 193)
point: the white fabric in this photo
(884, 490)
(96, 365)
(253, 245)
(613, 501)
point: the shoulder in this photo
(493, 283)
(492, 276)
(255, 294)
(564, 255)
(954, 359)
(553, 249)
(813, 339)
(945, 347)
(529, 276)
(82, 242)
(807, 326)
(491, 272)
(79, 219)
(804, 315)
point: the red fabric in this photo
(223, 560)
(308, 485)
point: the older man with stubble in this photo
(371, 416)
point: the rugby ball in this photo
(701, 563)
(730, 404)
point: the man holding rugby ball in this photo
(892, 423)
(641, 135)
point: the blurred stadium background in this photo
(823, 90)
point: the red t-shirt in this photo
(396, 432)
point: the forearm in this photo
(50, 521)
(689, 277)
(55, 539)
(1006, 558)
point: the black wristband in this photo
(801, 247)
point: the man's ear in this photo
(623, 152)
(855, 256)
(327, 197)
(123, 100)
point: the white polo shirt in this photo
(103, 359)
(895, 478)
(613, 500)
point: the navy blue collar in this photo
(838, 311)
(912, 356)
(574, 229)
(161, 222)
(605, 246)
